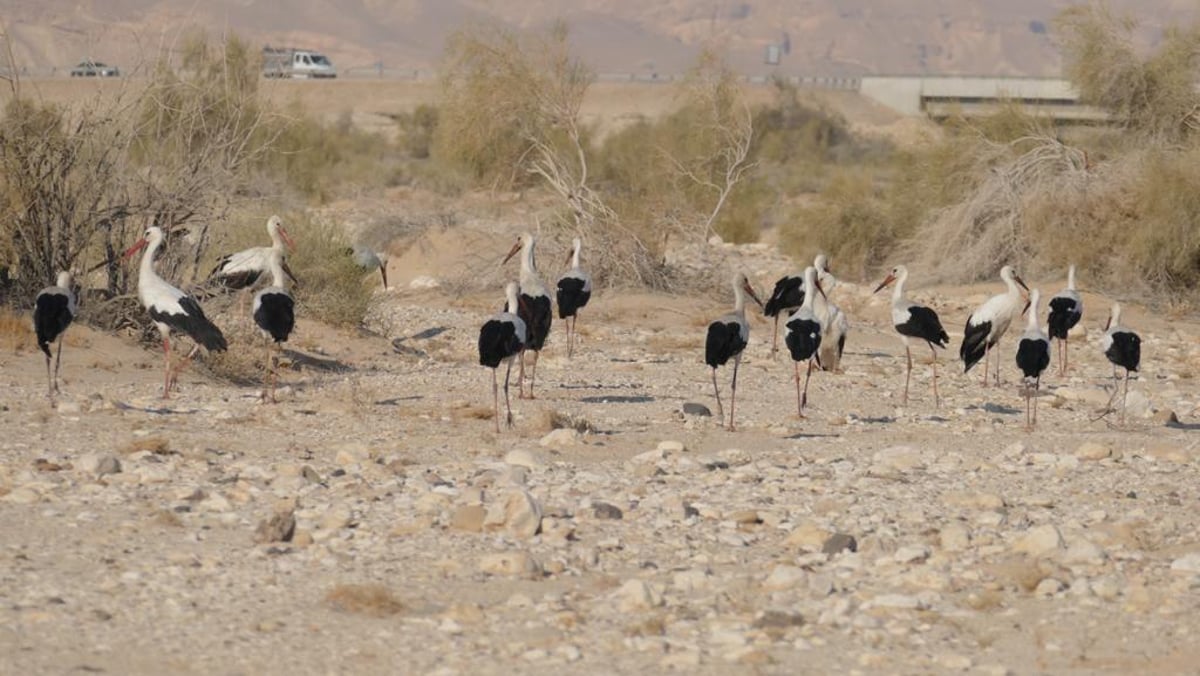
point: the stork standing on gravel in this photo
(1066, 308)
(534, 309)
(989, 322)
(243, 269)
(53, 311)
(803, 337)
(788, 295)
(275, 313)
(1123, 348)
(502, 339)
(171, 309)
(574, 292)
(726, 339)
(913, 320)
(834, 323)
(1033, 356)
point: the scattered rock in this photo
(636, 595)
(785, 577)
(911, 554)
(511, 564)
(1189, 564)
(518, 512)
(692, 408)
(560, 438)
(521, 457)
(955, 537)
(468, 518)
(603, 510)
(1039, 541)
(1093, 450)
(840, 542)
(899, 459)
(280, 527)
(807, 535)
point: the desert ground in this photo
(372, 521)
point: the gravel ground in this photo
(372, 521)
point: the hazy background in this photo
(826, 37)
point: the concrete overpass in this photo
(943, 96)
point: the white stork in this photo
(834, 323)
(1123, 348)
(804, 337)
(243, 269)
(727, 337)
(913, 320)
(53, 311)
(171, 309)
(275, 313)
(502, 339)
(989, 322)
(1033, 356)
(534, 309)
(574, 292)
(1066, 308)
(788, 295)
(369, 258)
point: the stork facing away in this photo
(804, 335)
(1066, 309)
(1123, 348)
(788, 295)
(574, 292)
(990, 321)
(534, 309)
(275, 313)
(726, 339)
(502, 339)
(53, 312)
(1033, 356)
(913, 320)
(171, 309)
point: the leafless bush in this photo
(1155, 93)
(79, 185)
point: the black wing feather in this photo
(497, 341)
(537, 314)
(788, 294)
(923, 323)
(276, 314)
(723, 342)
(1064, 314)
(571, 296)
(803, 338)
(51, 316)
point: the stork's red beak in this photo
(1018, 280)
(1107, 323)
(821, 289)
(570, 256)
(287, 239)
(886, 280)
(138, 246)
(513, 251)
(750, 290)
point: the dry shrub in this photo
(1154, 94)
(372, 600)
(16, 331)
(156, 445)
(332, 287)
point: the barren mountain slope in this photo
(824, 36)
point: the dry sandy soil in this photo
(607, 532)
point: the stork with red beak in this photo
(171, 309)
(245, 268)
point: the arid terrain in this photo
(816, 37)
(608, 531)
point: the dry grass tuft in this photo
(16, 332)
(372, 600)
(471, 412)
(156, 445)
(550, 420)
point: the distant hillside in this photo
(826, 37)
